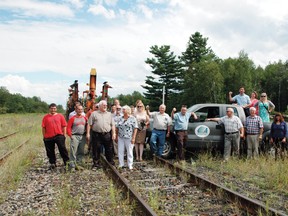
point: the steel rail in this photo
(133, 196)
(6, 155)
(250, 205)
(8, 135)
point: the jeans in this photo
(159, 135)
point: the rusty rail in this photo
(8, 135)
(250, 205)
(142, 207)
(5, 156)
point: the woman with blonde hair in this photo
(143, 122)
(265, 107)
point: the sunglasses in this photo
(139, 106)
(263, 95)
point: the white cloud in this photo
(148, 13)
(76, 3)
(118, 49)
(18, 84)
(101, 10)
(37, 8)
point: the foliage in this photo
(196, 50)
(130, 99)
(199, 76)
(16, 103)
(275, 82)
(167, 72)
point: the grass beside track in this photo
(15, 166)
(264, 173)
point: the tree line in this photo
(16, 103)
(198, 75)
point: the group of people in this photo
(124, 128)
(99, 128)
(257, 112)
(115, 131)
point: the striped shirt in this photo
(232, 124)
(253, 124)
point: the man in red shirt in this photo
(54, 131)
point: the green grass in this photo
(13, 169)
(264, 173)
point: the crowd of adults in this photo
(118, 131)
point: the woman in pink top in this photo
(254, 100)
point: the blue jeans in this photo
(159, 135)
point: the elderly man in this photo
(254, 129)
(232, 126)
(103, 132)
(73, 113)
(76, 130)
(181, 120)
(161, 129)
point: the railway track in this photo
(9, 153)
(8, 135)
(157, 191)
(156, 187)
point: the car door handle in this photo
(218, 127)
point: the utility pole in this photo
(163, 95)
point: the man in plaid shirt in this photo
(254, 129)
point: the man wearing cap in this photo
(232, 126)
(103, 132)
(254, 130)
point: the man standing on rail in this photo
(76, 130)
(54, 131)
(161, 129)
(180, 127)
(232, 136)
(103, 132)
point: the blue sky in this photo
(47, 44)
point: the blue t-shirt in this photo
(181, 121)
(278, 130)
(242, 100)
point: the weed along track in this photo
(153, 188)
(171, 194)
(171, 190)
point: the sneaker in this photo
(52, 166)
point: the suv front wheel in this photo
(168, 148)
